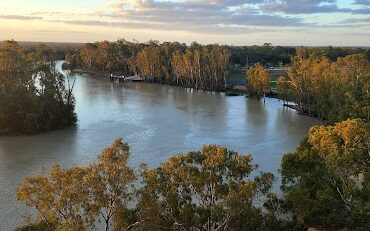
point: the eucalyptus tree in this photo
(329, 90)
(326, 180)
(258, 80)
(77, 198)
(206, 190)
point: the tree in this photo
(59, 198)
(88, 55)
(34, 96)
(329, 90)
(283, 88)
(75, 198)
(326, 180)
(109, 184)
(206, 190)
(258, 81)
(351, 98)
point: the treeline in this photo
(197, 66)
(272, 56)
(332, 90)
(49, 51)
(34, 96)
(329, 90)
(325, 184)
(267, 55)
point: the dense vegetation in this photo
(198, 66)
(275, 56)
(325, 184)
(211, 189)
(34, 96)
(326, 89)
(332, 90)
(327, 179)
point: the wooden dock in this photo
(121, 78)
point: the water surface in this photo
(157, 121)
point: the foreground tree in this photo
(59, 198)
(76, 198)
(206, 190)
(108, 182)
(326, 180)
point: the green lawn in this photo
(273, 84)
(239, 78)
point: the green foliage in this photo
(34, 96)
(326, 180)
(325, 184)
(329, 90)
(201, 67)
(266, 55)
(75, 198)
(207, 190)
(38, 226)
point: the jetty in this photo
(122, 78)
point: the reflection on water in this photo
(157, 121)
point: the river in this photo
(157, 121)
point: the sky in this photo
(232, 22)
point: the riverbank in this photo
(230, 90)
(157, 121)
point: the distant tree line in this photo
(34, 96)
(266, 54)
(198, 66)
(269, 55)
(325, 184)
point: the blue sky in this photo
(237, 22)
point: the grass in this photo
(273, 84)
(239, 78)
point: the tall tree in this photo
(258, 81)
(206, 190)
(109, 184)
(326, 180)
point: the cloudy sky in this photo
(237, 22)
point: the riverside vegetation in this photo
(327, 83)
(325, 181)
(198, 66)
(325, 184)
(34, 96)
(329, 90)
